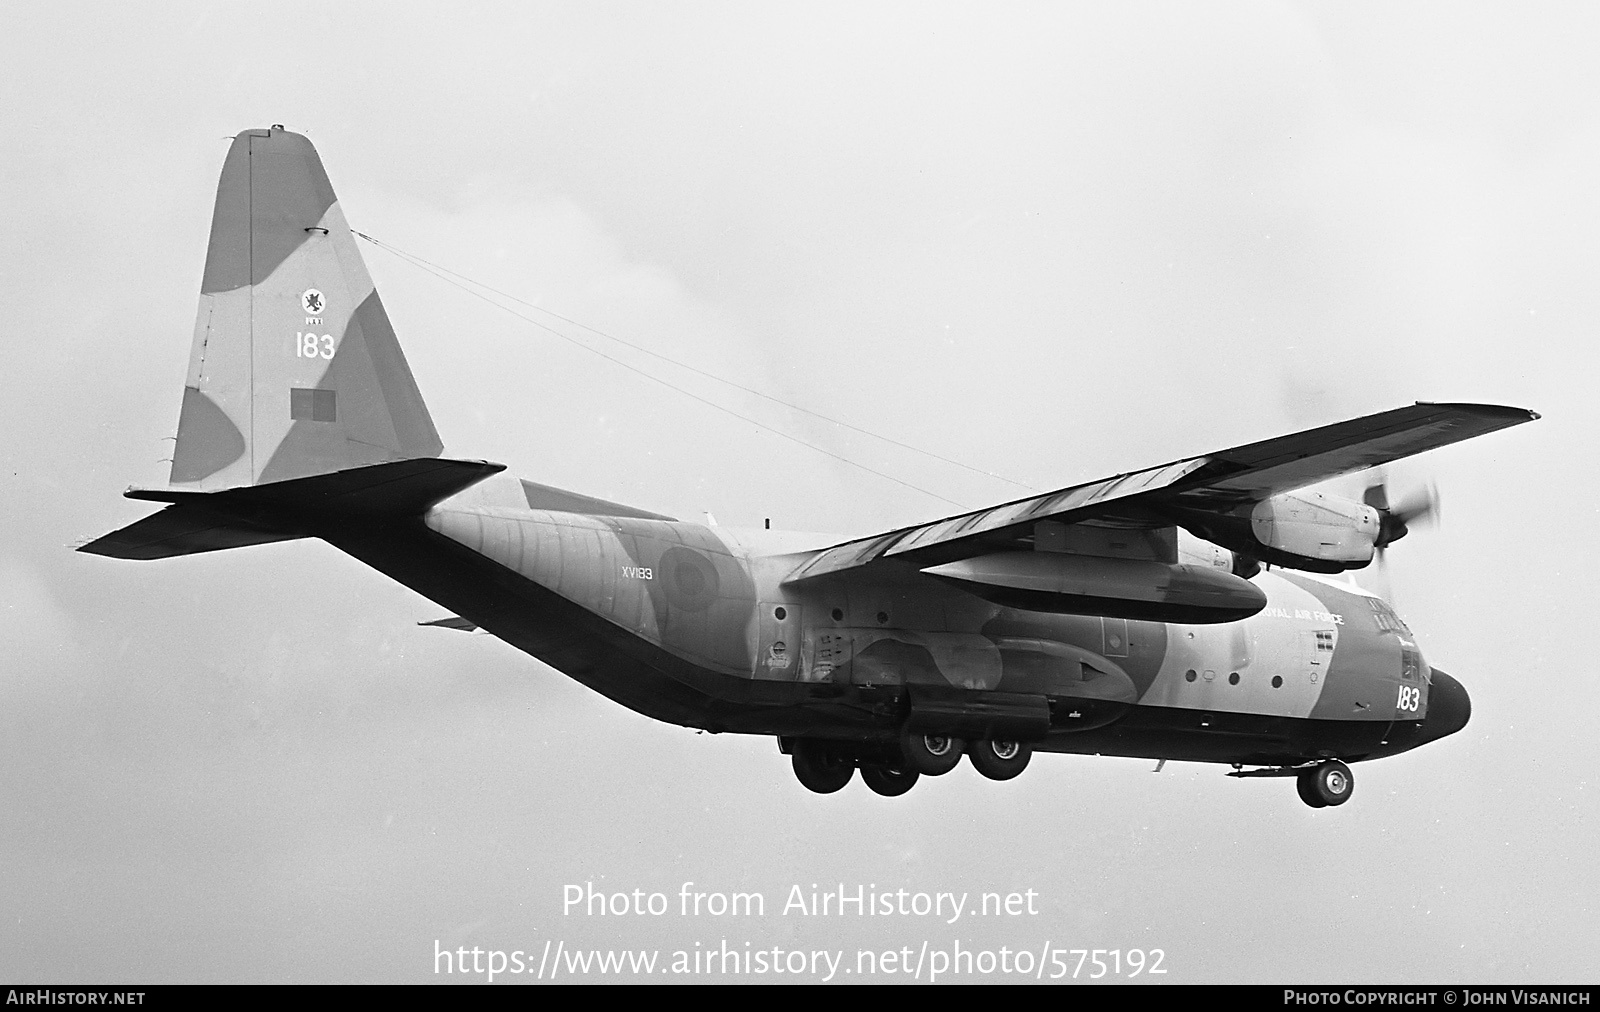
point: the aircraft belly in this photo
(1187, 735)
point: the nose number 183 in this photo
(1410, 698)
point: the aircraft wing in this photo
(1213, 483)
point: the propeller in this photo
(1420, 508)
(1394, 522)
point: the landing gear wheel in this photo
(1308, 791)
(930, 754)
(887, 780)
(818, 768)
(1326, 785)
(999, 760)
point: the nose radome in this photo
(1449, 707)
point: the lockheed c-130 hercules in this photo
(1181, 612)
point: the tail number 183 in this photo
(309, 345)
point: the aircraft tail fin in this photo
(295, 369)
(315, 506)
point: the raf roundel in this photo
(312, 302)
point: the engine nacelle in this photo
(1316, 525)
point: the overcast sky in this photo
(1055, 242)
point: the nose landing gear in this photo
(1325, 785)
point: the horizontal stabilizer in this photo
(403, 487)
(283, 510)
(559, 500)
(181, 530)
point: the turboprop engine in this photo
(1316, 525)
(1311, 530)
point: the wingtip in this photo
(1519, 415)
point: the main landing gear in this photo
(819, 767)
(937, 755)
(999, 760)
(889, 781)
(932, 754)
(827, 766)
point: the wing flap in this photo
(933, 542)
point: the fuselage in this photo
(696, 625)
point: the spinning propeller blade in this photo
(1395, 522)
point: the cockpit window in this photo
(1410, 663)
(1385, 617)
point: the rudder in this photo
(295, 369)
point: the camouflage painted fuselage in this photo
(695, 625)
